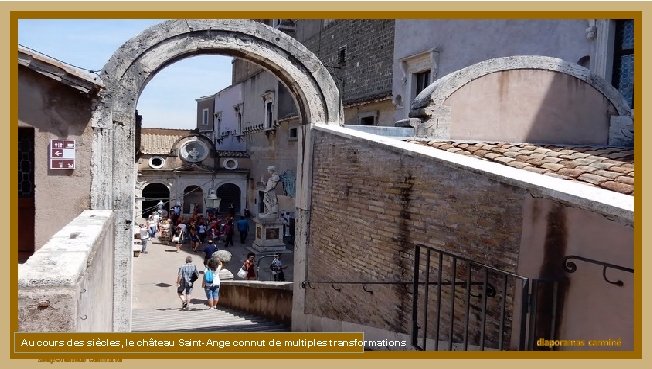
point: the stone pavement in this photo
(155, 273)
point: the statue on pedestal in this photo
(270, 200)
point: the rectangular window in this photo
(623, 72)
(341, 56)
(204, 117)
(421, 81)
(268, 114)
(293, 134)
(218, 122)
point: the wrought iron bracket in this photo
(570, 267)
(305, 284)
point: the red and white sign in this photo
(62, 154)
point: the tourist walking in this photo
(211, 282)
(209, 249)
(186, 276)
(228, 232)
(243, 229)
(250, 266)
(277, 269)
(194, 238)
(144, 238)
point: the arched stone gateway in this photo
(533, 91)
(136, 62)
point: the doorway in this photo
(230, 195)
(152, 194)
(26, 204)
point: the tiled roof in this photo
(233, 154)
(160, 140)
(68, 74)
(611, 168)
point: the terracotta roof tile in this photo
(611, 168)
(160, 140)
(233, 154)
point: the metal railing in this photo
(450, 322)
(458, 265)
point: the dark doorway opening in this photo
(26, 204)
(230, 196)
(152, 194)
(193, 200)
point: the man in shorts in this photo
(185, 281)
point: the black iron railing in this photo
(421, 330)
(502, 314)
(570, 267)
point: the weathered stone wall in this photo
(387, 203)
(67, 285)
(375, 198)
(369, 48)
(272, 300)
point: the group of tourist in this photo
(203, 233)
(188, 275)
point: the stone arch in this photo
(136, 62)
(430, 105)
(230, 193)
(140, 58)
(152, 193)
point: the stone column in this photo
(302, 216)
(123, 203)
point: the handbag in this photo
(194, 276)
(242, 273)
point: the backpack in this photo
(208, 276)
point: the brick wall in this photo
(369, 50)
(386, 202)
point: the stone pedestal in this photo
(225, 274)
(269, 235)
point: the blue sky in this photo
(169, 98)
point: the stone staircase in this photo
(200, 319)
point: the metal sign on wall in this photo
(62, 154)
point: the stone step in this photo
(200, 319)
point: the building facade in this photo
(54, 108)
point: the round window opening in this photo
(230, 164)
(156, 162)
